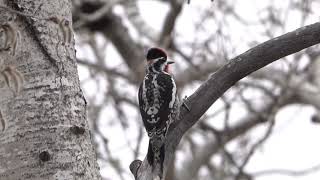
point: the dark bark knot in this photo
(44, 156)
(77, 130)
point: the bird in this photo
(158, 104)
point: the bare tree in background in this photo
(212, 54)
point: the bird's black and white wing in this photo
(157, 100)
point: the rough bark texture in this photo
(226, 77)
(46, 135)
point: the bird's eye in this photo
(163, 59)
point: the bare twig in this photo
(287, 172)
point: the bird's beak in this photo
(170, 62)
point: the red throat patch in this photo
(166, 68)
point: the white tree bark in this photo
(43, 133)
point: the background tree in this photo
(201, 37)
(44, 133)
(220, 145)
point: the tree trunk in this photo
(43, 131)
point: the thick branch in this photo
(240, 67)
(113, 28)
(133, 14)
(243, 65)
(227, 76)
(169, 23)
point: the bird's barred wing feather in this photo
(157, 96)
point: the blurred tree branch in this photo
(227, 76)
(112, 27)
(130, 34)
(287, 172)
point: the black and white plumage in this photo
(158, 104)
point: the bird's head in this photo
(157, 60)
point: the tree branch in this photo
(113, 28)
(169, 23)
(133, 14)
(227, 76)
(243, 65)
(287, 172)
